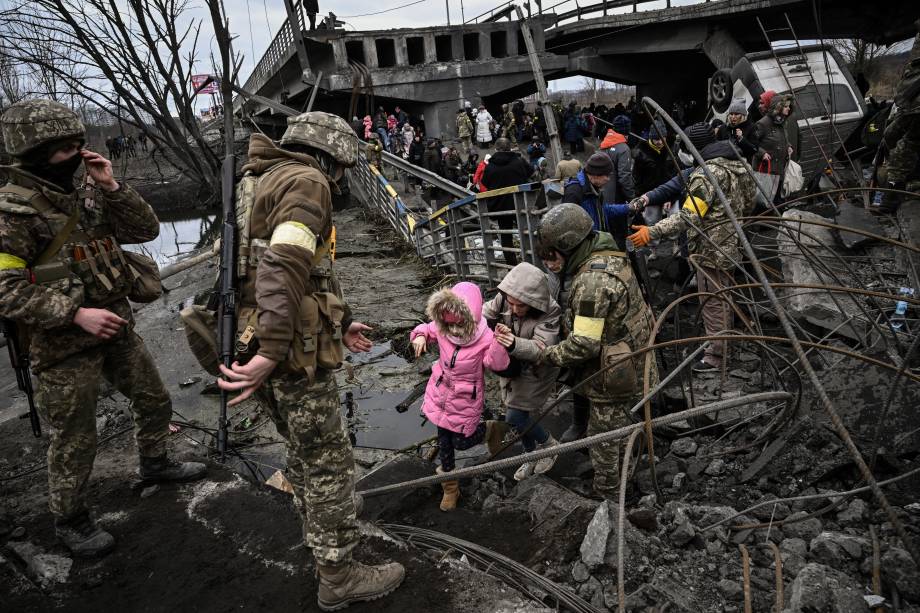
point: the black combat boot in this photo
(340, 586)
(891, 201)
(163, 469)
(581, 409)
(82, 536)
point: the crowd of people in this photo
(125, 146)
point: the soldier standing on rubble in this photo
(65, 281)
(718, 251)
(605, 318)
(294, 321)
(902, 136)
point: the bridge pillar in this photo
(511, 37)
(370, 52)
(539, 38)
(339, 53)
(456, 46)
(431, 53)
(402, 53)
(485, 45)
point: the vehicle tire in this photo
(720, 90)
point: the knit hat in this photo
(622, 124)
(700, 134)
(599, 165)
(658, 130)
(738, 107)
(766, 98)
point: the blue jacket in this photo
(579, 191)
(670, 191)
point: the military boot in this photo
(340, 586)
(82, 536)
(163, 469)
(891, 201)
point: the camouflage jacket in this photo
(710, 216)
(464, 125)
(604, 307)
(46, 312)
(907, 95)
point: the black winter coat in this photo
(506, 168)
(747, 144)
(651, 168)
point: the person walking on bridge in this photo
(464, 131)
(65, 282)
(293, 312)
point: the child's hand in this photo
(501, 328)
(504, 337)
(420, 345)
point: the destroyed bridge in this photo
(665, 52)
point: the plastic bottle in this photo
(900, 309)
(877, 198)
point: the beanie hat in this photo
(738, 107)
(700, 134)
(599, 164)
(766, 98)
(658, 130)
(622, 124)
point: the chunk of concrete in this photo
(820, 588)
(899, 568)
(45, 568)
(858, 218)
(594, 545)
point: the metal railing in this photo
(469, 238)
(280, 49)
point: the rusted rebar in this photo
(746, 577)
(778, 562)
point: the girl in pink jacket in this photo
(455, 395)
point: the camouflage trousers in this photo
(67, 395)
(320, 465)
(605, 416)
(717, 314)
(903, 139)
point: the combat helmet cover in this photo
(326, 132)
(564, 226)
(32, 123)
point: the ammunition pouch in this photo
(101, 266)
(146, 286)
(621, 379)
(318, 337)
(201, 332)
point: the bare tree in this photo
(131, 58)
(593, 87)
(861, 56)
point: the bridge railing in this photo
(466, 238)
(280, 48)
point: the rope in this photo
(604, 437)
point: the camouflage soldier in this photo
(65, 280)
(902, 136)
(509, 126)
(605, 318)
(374, 151)
(464, 131)
(721, 252)
(293, 322)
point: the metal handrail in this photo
(459, 238)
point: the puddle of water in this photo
(179, 235)
(373, 421)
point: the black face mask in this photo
(60, 174)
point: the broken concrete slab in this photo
(45, 568)
(859, 218)
(898, 568)
(594, 546)
(820, 588)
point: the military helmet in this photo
(32, 123)
(564, 226)
(326, 132)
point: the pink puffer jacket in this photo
(454, 397)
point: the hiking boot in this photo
(83, 537)
(163, 469)
(495, 434)
(524, 471)
(340, 586)
(451, 493)
(574, 433)
(544, 465)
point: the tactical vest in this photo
(318, 330)
(622, 375)
(78, 250)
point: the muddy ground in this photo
(232, 543)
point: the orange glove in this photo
(641, 238)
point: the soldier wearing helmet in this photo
(605, 318)
(65, 282)
(293, 323)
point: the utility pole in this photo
(542, 96)
(447, 6)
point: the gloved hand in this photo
(637, 205)
(641, 238)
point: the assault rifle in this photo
(226, 313)
(19, 360)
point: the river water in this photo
(180, 234)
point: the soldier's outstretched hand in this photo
(355, 340)
(247, 378)
(101, 323)
(99, 169)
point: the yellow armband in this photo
(8, 262)
(696, 205)
(294, 233)
(589, 327)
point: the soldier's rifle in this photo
(226, 313)
(19, 360)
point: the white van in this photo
(829, 107)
